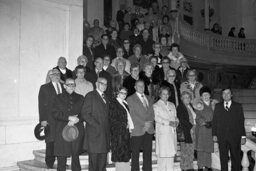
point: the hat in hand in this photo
(41, 132)
(70, 133)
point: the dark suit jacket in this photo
(181, 77)
(100, 51)
(183, 116)
(46, 98)
(66, 105)
(96, 115)
(172, 92)
(228, 124)
(92, 77)
(63, 77)
(90, 56)
(129, 83)
(140, 114)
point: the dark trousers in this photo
(234, 147)
(49, 154)
(97, 161)
(144, 143)
(62, 162)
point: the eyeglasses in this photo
(70, 85)
(165, 62)
(171, 75)
(126, 42)
(192, 75)
(105, 84)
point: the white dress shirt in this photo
(55, 87)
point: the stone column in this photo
(206, 15)
(173, 5)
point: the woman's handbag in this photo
(180, 134)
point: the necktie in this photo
(98, 74)
(226, 106)
(145, 104)
(58, 88)
(103, 97)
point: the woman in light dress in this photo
(166, 123)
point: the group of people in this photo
(240, 34)
(130, 88)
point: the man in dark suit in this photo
(105, 48)
(95, 113)
(66, 111)
(88, 51)
(141, 110)
(65, 73)
(97, 72)
(228, 129)
(46, 96)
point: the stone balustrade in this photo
(219, 43)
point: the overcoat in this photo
(95, 112)
(66, 105)
(120, 136)
(166, 138)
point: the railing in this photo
(222, 44)
(249, 146)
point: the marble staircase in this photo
(38, 163)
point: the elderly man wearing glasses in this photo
(67, 111)
(95, 112)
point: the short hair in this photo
(186, 93)
(147, 64)
(126, 40)
(62, 58)
(165, 58)
(139, 80)
(127, 24)
(98, 58)
(145, 30)
(156, 43)
(104, 35)
(121, 88)
(175, 45)
(134, 65)
(80, 67)
(226, 88)
(166, 16)
(101, 78)
(90, 36)
(191, 70)
(82, 57)
(70, 79)
(171, 70)
(153, 57)
(162, 88)
(204, 89)
(136, 46)
(120, 60)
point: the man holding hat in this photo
(69, 129)
(47, 94)
(95, 112)
(228, 129)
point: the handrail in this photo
(218, 43)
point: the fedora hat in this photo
(41, 132)
(70, 133)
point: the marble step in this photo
(249, 107)
(244, 92)
(33, 165)
(250, 114)
(244, 99)
(11, 168)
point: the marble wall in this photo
(33, 35)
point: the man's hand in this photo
(243, 141)
(73, 118)
(147, 125)
(214, 138)
(44, 123)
